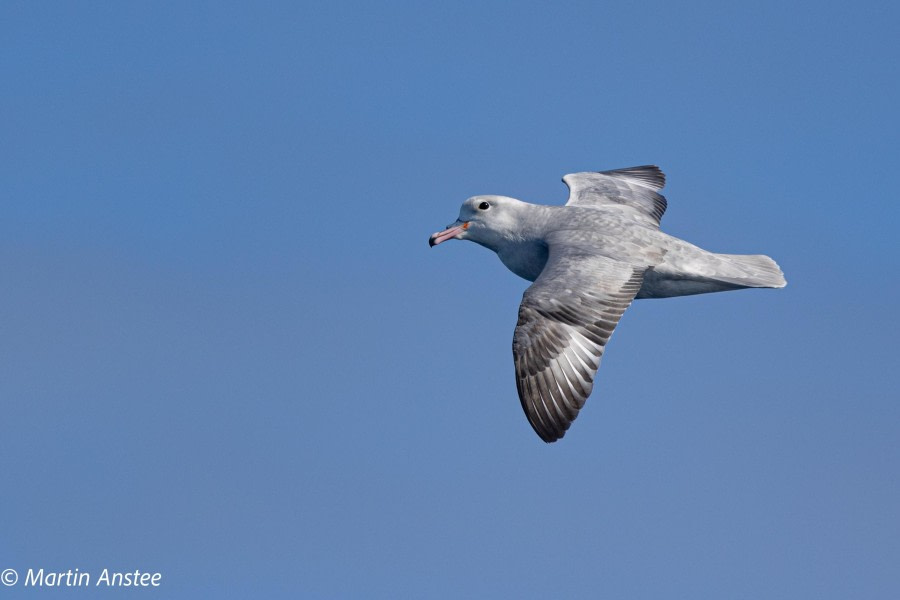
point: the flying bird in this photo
(588, 260)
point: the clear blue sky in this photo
(228, 355)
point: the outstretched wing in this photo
(634, 189)
(565, 320)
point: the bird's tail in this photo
(750, 270)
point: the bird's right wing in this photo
(633, 189)
(565, 320)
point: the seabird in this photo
(588, 260)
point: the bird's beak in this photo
(452, 231)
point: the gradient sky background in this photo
(227, 353)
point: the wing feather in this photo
(633, 189)
(565, 321)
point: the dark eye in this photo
(484, 206)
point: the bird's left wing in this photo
(634, 190)
(565, 320)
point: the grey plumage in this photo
(588, 260)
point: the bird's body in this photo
(588, 260)
(677, 268)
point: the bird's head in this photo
(486, 220)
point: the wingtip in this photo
(651, 175)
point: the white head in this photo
(491, 221)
